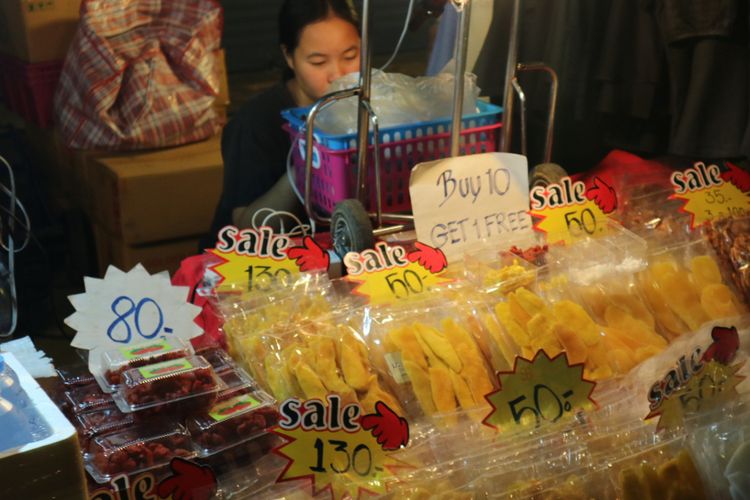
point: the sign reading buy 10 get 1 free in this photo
(458, 202)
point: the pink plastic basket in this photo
(334, 170)
(29, 88)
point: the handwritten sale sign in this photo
(458, 202)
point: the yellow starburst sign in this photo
(711, 388)
(569, 223)
(329, 446)
(251, 272)
(540, 391)
(387, 273)
(716, 202)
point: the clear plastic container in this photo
(232, 421)
(237, 381)
(155, 389)
(87, 398)
(136, 450)
(96, 423)
(116, 361)
(218, 359)
(75, 376)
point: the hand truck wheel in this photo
(351, 228)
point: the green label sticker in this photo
(165, 368)
(146, 349)
(231, 407)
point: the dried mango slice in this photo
(620, 360)
(680, 295)
(376, 393)
(531, 302)
(631, 486)
(507, 353)
(542, 331)
(404, 339)
(478, 380)
(705, 271)
(311, 385)
(571, 342)
(278, 378)
(719, 302)
(642, 334)
(514, 329)
(517, 312)
(322, 355)
(655, 487)
(439, 346)
(463, 343)
(353, 366)
(577, 319)
(462, 391)
(420, 383)
(689, 472)
(671, 325)
(442, 389)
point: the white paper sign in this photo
(130, 308)
(458, 202)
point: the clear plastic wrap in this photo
(95, 423)
(317, 357)
(684, 287)
(432, 362)
(87, 398)
(730, 239)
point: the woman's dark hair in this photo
(295, 15)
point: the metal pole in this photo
(510, 72)
(460, 55)
(363, 120)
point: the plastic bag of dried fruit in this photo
(730, 239)
(684, 287)
(431, 361)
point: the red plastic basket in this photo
(334, 171)
(29, 88)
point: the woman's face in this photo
(327, 50)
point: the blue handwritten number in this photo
(156, 330)
(123, 318)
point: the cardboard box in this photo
(38, 30)
(222, 100)
(145, 197)
(155, 257)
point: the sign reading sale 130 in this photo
(256, 259)
(337, 448)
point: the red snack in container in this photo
(96, 423)
(136, 450)
(116, 361)
(232, 422)
(175, 388)
(87, 398)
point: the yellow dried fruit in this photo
(719, 302)
(439, 345)
(705, 271)
(420, 383)
(311, 385)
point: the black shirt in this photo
(254, 148)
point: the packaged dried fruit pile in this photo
(684, 287)
(433, 363)
(730, 238)
(183, 406)
(247, 315)
(316, 357)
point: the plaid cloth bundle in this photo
(141, 74)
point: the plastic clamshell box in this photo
(48, 462)
(115, 362)
(75, 376)
(95, 423)
(218, 359)
(236, 381)
(232, 421)
(136, 450)
(87, 398)
(191, 381)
